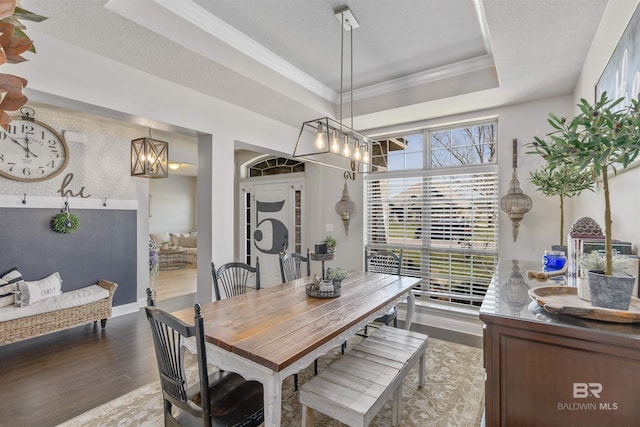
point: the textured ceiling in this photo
(413, 59)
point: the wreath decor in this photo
(65, 223)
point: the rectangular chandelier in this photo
(149, 158)
(328, 142)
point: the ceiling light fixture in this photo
(331, 143)
(149, 158)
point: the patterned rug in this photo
(453, 395)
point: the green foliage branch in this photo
(65, 223)
(605, 136)
(563, 181)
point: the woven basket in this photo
(44, 323)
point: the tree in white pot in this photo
(605, 136)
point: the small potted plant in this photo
(331, 242)
(595, 262)
(337, 275)
(601, 138)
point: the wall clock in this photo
(30, 150)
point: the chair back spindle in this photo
(388, 262)
(383, 262)
(222, 398)
(234, 278)
(291, 266)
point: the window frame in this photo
(486, 257)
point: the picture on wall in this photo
(621, 76)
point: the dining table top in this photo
(278, 325)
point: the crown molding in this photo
(211, 24)
(428, 76)
(203, 19)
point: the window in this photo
(443, 216)
(275, 166)
(247, 226)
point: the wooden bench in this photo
(354, 388)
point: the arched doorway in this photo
(272, 211)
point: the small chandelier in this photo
(515, 203)
(149, 158)
(331, 143)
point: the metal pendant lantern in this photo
(345, 208)
(515, 203)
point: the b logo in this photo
(584, 390)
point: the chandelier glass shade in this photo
(149, 158)
(330, 143)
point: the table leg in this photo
(411, 305)
(273, 401)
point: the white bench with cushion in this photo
(354, 388)
(44, 308)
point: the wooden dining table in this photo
(270, 334)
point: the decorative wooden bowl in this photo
(315, 293)
(564, 300)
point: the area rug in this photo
(453, 395)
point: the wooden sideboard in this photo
(554, 370)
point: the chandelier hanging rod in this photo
(330, 142)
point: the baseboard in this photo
(459, 321)
(120, 310)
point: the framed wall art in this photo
(621, 76)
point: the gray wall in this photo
(103, 247)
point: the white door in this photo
(273, 217)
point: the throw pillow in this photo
(8, 287)
(189, 241)
(175, 239)
(161, 237)
(30, 292)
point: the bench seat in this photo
(71, 309)
(354, 388)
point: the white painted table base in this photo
(272, 380)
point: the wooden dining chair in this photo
(291, 269)
(291, 266)
(219, 399)
(383, 261)
(234, 278)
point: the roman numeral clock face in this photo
(31, 151)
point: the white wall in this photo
(540, 227)
(624, 188)
(173, 204)
(324, 190)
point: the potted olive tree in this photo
(564, 181)
(603, 137)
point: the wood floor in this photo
(47, 380)
(174, 283)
